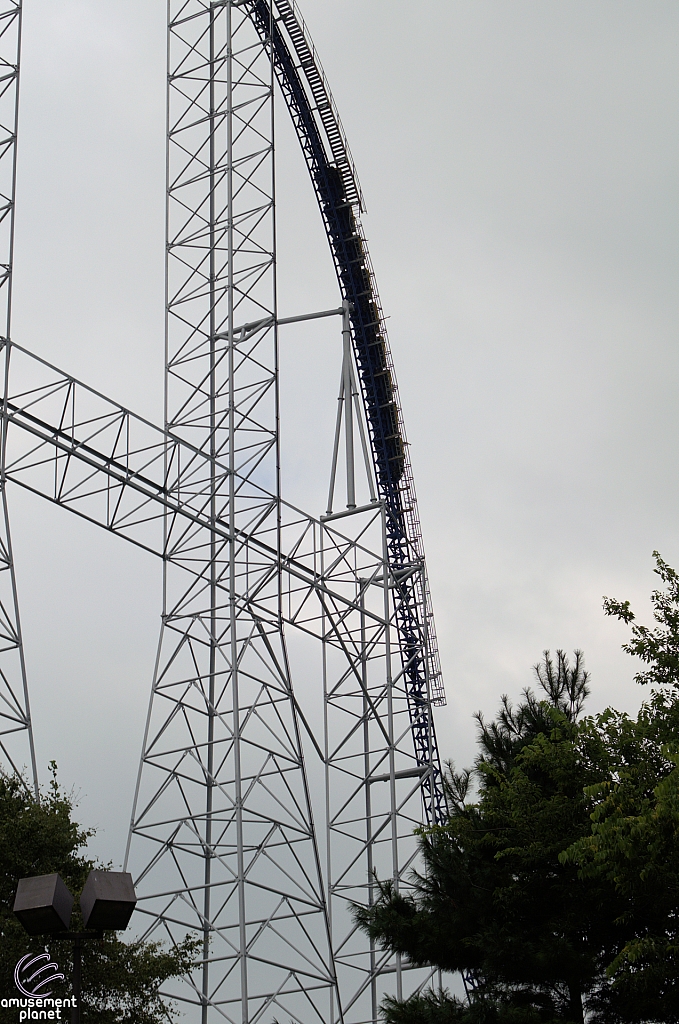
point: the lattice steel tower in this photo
(16, 732)
(289, 749)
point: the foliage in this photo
(120, 980)
(495, 899)
(634, 840)
(558, 888)
(657, 647)
(441, 1008)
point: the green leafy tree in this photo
(120, 980)
(634, 839)
(496, 901)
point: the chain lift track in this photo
(332, 171)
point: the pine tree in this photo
(495, 900)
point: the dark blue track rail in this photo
(392, 470)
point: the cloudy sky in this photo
(519, 162)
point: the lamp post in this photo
(43, 905)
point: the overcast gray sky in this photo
(519, 161)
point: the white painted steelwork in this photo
(290, 750)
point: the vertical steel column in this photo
(233, 469)
(15, 715)
(209, 778)
(368, 807)
(393, 808)
(222, 841)
(347, 389)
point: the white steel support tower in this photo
(289, 751)
(16, 732)
(222, 826)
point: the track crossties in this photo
(327, 155)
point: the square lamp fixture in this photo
(43, 904)
(108, 899)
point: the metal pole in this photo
(390, 728)
(368, 806)
(335, 447)
(348, 406)
(77, 971)
(213, 548)
(334, 1014)
(233, 611)
(361, 433)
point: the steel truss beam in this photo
(83, 451)
(328, 578)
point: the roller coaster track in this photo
(223, 839)
(338, 191)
